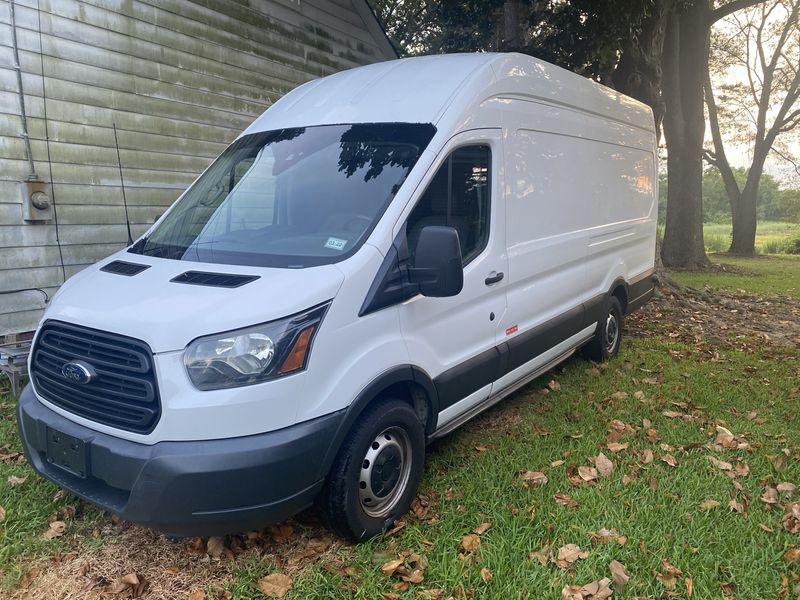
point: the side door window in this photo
(458, 197)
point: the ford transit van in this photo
(379, 257)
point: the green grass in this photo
(29, 507)
(761, 275)
(657, 511)
(531, 430)
(771, 236)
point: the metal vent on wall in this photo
(120, 267)
(225, 280)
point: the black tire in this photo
(608, 334)
(360, 499)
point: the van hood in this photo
(168, 315)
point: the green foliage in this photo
(585, 36)
(774, 203)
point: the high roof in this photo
(424, 89)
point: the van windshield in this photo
(290, 198)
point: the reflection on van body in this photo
(382, 255)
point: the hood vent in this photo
(224, 280)
(120, 267)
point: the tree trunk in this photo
(511, 40)
(685, 60)
(639, 73)
(744, 214)
(744, 223)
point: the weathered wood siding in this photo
(180, 79)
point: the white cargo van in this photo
(380, 256)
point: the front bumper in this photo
(188, 488)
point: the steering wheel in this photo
(355, 219)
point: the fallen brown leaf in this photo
(670, 460)
(720, 464)
(770, 496)
(565, 500)
(603, 465)
(391, 566)
(275, 585)
(541, 556)
(587, 473)
(569, 554)
(126, 582)
(215, 546)
(792, 554)
(415, 576)
(616, 446)
(14, 480)
(471, 542)
(534, 477)
(486, 575)
(791, 520)
(619, 575)
(708, 504)
(785, 488)
(482, 528)
(735, 505)
(56, 529)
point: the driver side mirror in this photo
(438, 268)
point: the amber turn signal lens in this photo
(297, 355)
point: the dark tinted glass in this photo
(290, 198)
(458, 196)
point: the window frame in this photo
(446, 162)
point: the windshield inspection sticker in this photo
(335, 243)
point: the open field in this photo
(762, 276)
(678, 459)
(771, 236)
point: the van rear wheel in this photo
(608, 334)
(376, 473)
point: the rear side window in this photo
(458, 197)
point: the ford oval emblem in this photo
(79, 372)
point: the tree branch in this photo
(710, 157)
(730, 8)
(788, 159)
(719, 159)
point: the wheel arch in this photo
(619, 289)
(407, 382)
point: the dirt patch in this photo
(132, 561)
(719, 318)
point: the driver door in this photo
(454, 338)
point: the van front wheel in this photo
(608, 335)
(376, 474)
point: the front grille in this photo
(123, 395)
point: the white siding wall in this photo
(180, 79)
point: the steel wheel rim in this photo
(385, 471)
(612, 331)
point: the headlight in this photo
(254, 354)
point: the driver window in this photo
(458, 197)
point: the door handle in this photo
(493, 278)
